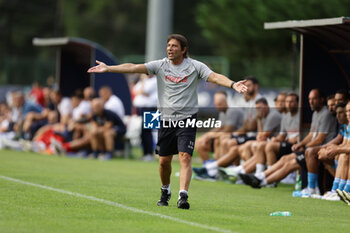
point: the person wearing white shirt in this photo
(64, 106)
(145, 100)
(81, 108)
(111, 102)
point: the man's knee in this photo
(233, 150)
(109, 133)
(200, 144)
(261, 146)
(185, 158)
(94, 132)
(312, 152)
(270, 146)
(287, 158)
(292, 165)
(164, 161)
(232, 142)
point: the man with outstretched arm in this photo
(177, 80)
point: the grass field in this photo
(132, 189)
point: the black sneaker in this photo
(164, 198)
(182, 202)
(251, 180)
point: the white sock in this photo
(259, 168)
(263, 182)
(183, 191)
(212, 165)
(167, 187)
(212, 172)
(239, 169)
(212, 168)
(260, 175)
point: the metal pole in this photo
(295, 58)
(159, 26)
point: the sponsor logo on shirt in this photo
(176, 79)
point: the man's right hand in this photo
(296, 147)
(100, 68)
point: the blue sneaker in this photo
(297, 193)
(202, 174)
(199, 170)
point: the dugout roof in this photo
(324, 56)
(74, 57)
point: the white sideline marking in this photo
(116, 204)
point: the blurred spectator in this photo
(20, 109)
(89, 93)
(37, 94)
(249, 125)
(268, 121)
(51, 83)
(105, 129)
(4, 117)
(63, 106)
(81, 108)
(322, 153)
(279, 145)
(321, 131)
(341, 96)
(146, 99)
(47, 98)
(231, 120)
(111, 102)
(331, 104)
(280, 104)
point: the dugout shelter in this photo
(74, 57)
(324, 64)
(324, 57)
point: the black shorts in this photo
(241, 139)
(301, 159)
(174, 140)
(285, 149)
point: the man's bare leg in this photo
(229, 158)
(186, 170)
(165, 169)
(281, 173)
(109, 137)
(280, 163)
(164, 173)
(224, 161)
(271, 151)
(245, 150)
(202, 147)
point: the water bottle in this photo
(298, 183)
(281, 213)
